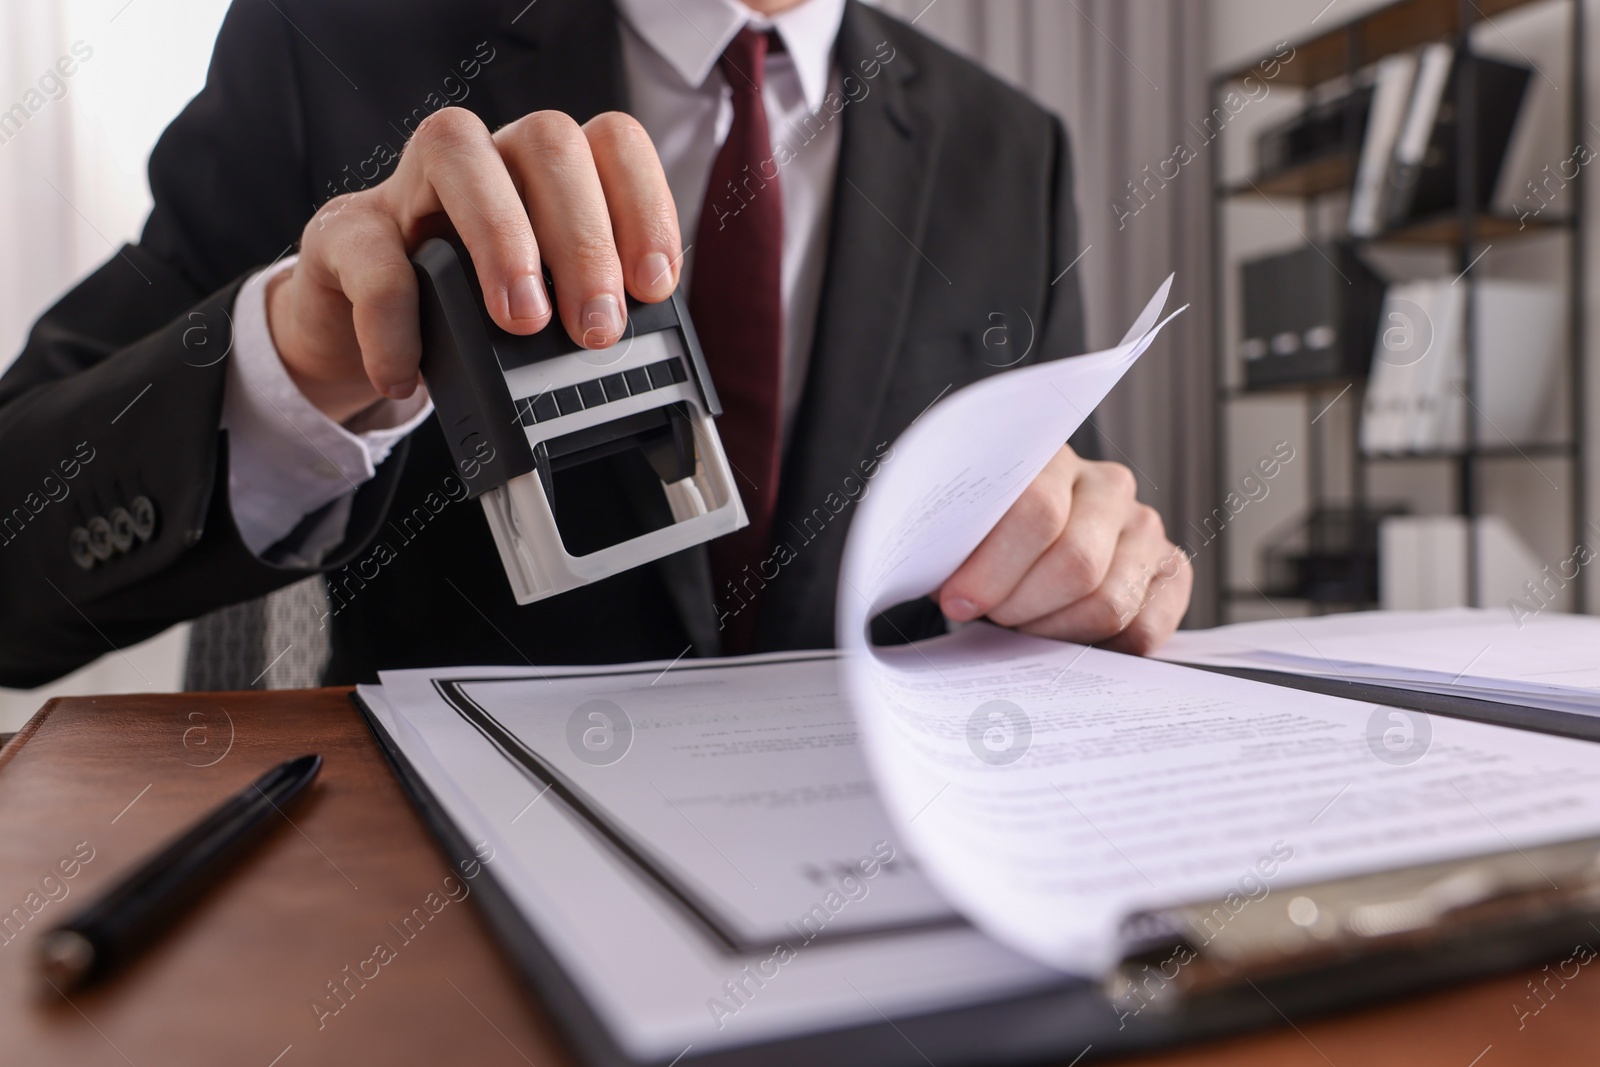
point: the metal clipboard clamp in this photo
(1463, 916)
(523, 416)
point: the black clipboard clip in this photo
(1491, 912)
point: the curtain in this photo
(41, 256)
(38, 257)
(1127, 77)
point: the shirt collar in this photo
(691, 34)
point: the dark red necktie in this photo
(735, 300)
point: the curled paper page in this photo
(962, 464)
(955, 472)
(1051, 790)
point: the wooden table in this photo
(238, 982)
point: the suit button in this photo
(78, 544)
(121, 529)
(100, 538)
(144, 518)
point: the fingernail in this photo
(601, 320)
(527, 298)
(402, 390)
(655, 273)
(960, 609)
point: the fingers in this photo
(1051, 548)
(1167, 599)
(1034, 523)
(454, 165)
(365, 259)
(1077, 558)
(643, 216)
(595, 196)
(550, 157)
(1140, 599)
(1103, 506)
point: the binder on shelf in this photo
(1423, 561)
(1310, 315)
(1323, 130)
(1421, 110)
(1327, 556)
(1422, 177)
(1407, 336)
(1416, 398)
(1432, 401)
(1388, 111)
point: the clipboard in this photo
(1476, 709)
(1247, 980)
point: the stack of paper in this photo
(1539, 659)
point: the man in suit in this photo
(208, 417)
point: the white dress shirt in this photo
(288, 461)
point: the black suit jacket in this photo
(952, 214)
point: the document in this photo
(712, 754)
(1050, 790)
(698, 845)
(1522, 654)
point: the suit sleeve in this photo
(286, 459)
(114, 515)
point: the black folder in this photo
(1431, 188)
(1076, 1021)
(1310, 314)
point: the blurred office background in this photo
(73, 189)
(1134, 80)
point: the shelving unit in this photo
(1339, 53)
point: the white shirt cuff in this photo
(286, 459)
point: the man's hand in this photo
(590, 200)
(1077, 558)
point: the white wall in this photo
(1246, 29)
(72, 188)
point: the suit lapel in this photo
(881, 200)
(562, 55)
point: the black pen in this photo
(132, 913)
